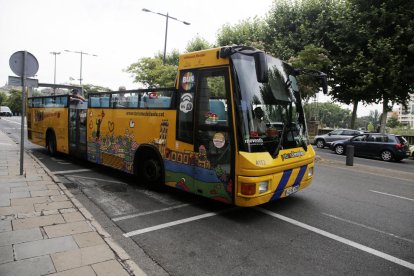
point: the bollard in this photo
(349, 155)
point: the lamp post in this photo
(54, 75)
(81, 56)
(166, 28)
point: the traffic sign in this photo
(22, 67)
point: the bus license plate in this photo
(291, 190)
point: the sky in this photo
(118, 32)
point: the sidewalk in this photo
(44, 230)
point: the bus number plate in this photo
(291, 190)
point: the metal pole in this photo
(350, 155)
(23, 113)
(165, 41)
(80, 77)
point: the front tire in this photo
(386, 155)
(339, 149)
(150, 171)
(320, 144)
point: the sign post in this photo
(24, 65)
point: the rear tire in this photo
(387, 156)
(320, 144)
(51, 143)
(339, 149)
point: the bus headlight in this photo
(263, 187)
(310, 172)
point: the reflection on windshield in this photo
(270, 114)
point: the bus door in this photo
(213, 141)
(77, 129)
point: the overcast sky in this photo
(117, 31)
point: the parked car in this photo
(412, 151)
(387, 147)
(5, 111)
(325, 140)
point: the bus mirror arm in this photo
(317, 74)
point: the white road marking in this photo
(150, 212)
(71, 171)
(339, 239)
(369, 227)
(177, 222)
(99, 179)
(392, 195)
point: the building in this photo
(405, 115)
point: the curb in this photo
(122, 256)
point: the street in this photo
(354, 220)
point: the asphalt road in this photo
(355, 220)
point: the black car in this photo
(387, 147)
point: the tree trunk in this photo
(384, 115)
(354, 114)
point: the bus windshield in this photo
(270, 115)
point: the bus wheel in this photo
(51, 143)
(150, 171)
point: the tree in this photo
(3, 98)
(197, 44)
(151, 72)
(248, 32)
(393, 122)
(378, 36)
(90, 88)
(330, 114)
(310, 58)
(14, 101)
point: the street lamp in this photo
(166, 27)
(81, 55)
(54, 76)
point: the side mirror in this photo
(262, 71)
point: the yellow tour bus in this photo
(233, 129)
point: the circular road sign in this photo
(16, 64)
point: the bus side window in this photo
(133, 101)
(105, 101)
(95, 102)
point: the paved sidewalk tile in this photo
(109, 268)
(88, 239)
(53, 205)
(81, 257)
(6, 254)
(19, 236)
(5, 225)
(35, 266)
(66, 229)
(6, 211)
(81, 271)
(33, 222)
(43, 247)
(45, 193)
(28, 201)
(73, 216)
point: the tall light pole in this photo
(81, 56)
(54, 75)
(166, 28)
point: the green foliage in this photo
(14, 101)
(330, 114)
(393, 122)
(3, 98)
(310, 58)
(90, 88)
(249, 32)
(371, 127)
(170, 58)
(150, 72)
(197, 44)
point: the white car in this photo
(5, 111)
